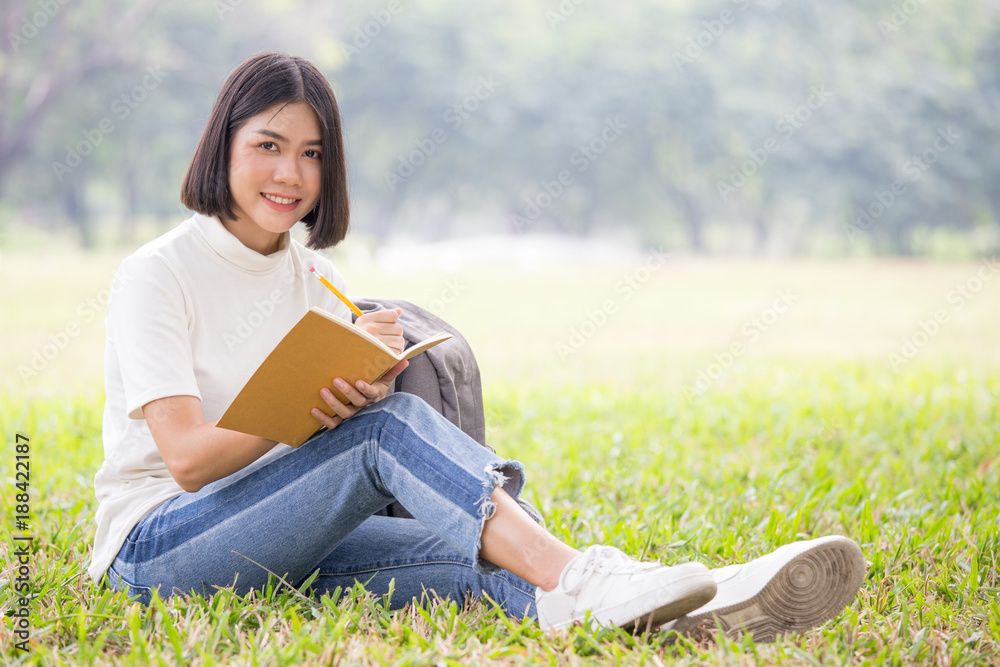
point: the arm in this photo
(196, 452)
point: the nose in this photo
(288, 172)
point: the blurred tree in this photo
(48, 52)
(736, 124)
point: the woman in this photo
(185, 506)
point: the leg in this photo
(285, 514)
(514, 542)
(385, 549)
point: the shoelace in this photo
(602, 560)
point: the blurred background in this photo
(727, 126)
(853, 145)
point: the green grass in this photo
(905, 463)
(666, 331)
(811, 431)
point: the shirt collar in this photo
(232, 250)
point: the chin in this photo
(278, 225)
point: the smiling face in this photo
(274, 174)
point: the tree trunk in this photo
(695, 219)
(131, 204)
(761, 234)
(76, 211)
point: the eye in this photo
(313, 154)
(268, 145)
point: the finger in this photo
(391, 375)
(370, 391)
(326, 420)
(379, 316)
(395, 343)
(353, 396)
(391, 335)
(383, 328)
(342, 409)
(376, 392)
(387, 315)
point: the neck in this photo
(253, 237)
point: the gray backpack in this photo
(446, 376)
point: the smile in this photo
(279, 200)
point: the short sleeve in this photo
(148, 330)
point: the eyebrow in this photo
(275, 135)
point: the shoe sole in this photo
(671, 603)
(809, 590)
(696, 594)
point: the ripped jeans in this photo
(311, 508)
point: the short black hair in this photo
(254, 86)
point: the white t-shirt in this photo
(192, 313)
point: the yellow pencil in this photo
(337, 292)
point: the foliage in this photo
(779, 126)
(905, 463)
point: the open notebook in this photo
(276, 401)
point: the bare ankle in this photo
(549, 583)
(557, 559)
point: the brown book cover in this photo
(276, 402)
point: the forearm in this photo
(197, 452)
(209, 453)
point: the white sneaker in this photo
(611, 589)
(794, 588)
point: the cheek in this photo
(314, 174)
(242, 171)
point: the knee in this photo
(401, 403)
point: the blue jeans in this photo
(311, 508)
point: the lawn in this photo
(710, 410)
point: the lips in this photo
(279, 203)
(280, 200)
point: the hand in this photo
(359, 396)
(383, 325)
